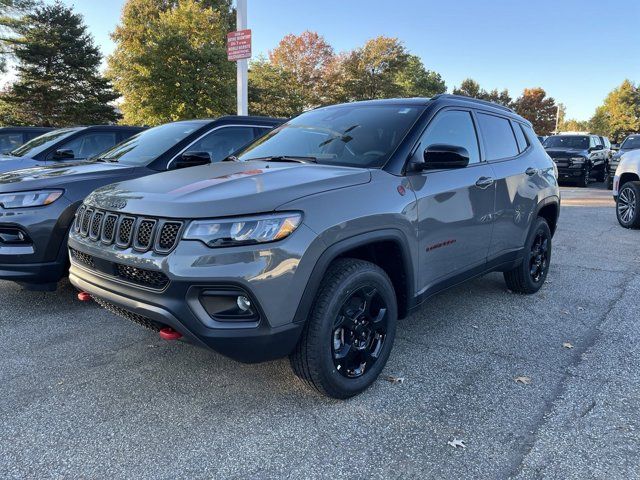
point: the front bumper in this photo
(43, 259)
(570, 174)
(274, 276)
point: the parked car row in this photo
(306, 239)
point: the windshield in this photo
(567, 141)
(145, 147)
(631, 143)
(41, 143)
(349, 135)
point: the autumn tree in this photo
(416, 81)
(58, 72)
(170, 60)
(305, 58)
(540, 110)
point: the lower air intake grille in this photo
(123, 312)
(147, 278)
(83, 258)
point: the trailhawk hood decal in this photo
(224, 189)
(60, 175)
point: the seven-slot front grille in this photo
(141, 233)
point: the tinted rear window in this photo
(498, 136)
(631, 143)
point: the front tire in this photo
(628, 205)
(348, 337)
(584, 180)
(530, 275)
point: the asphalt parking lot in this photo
(86, 394)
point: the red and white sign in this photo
(239, 45)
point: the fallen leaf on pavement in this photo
(581, 309)
(523, 380)
(567, 345)
(566, 312)
(392, 379)
(455, 443)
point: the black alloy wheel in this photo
(359, 332)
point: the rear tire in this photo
(348, 337)
(530, 275)
(628, 205)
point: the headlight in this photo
(37, 198)
(243, 230)
(577, 160)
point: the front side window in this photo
(349, 135)
(455, 128)
(88, 145)
(43, 142)
(222, 142)
(499, 140)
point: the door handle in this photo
(531, 171)
(484, 182)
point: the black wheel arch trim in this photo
(551, 200)
(337, 249)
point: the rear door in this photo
(455, 206)
(509, 152)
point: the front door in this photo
(455, 206)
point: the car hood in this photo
(565, 152)
(9, 163)
(60, 175)
(223, 189)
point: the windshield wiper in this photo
(287, 158)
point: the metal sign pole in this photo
(243, 64)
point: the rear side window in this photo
(499, 140)
(520, 137)
(453, 127)
(85, 146)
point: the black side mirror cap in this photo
(63, 154)
(440, 157)
(193, 159)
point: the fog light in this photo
(244, 303)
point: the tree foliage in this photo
(58, 72)
(170, 60)
(12, 16)
(619, 116)
(540, 110)
(270, 92)
(470, 88)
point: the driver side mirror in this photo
(596, 148)
(193, 159)
(440, 157)
(63, 154)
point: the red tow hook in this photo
(168, 333)
(84, 296)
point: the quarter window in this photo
(520, 137)
(499, 140)
(453, 127)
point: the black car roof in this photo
(26, 129)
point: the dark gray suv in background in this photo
(321, 234)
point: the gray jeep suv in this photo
(316, 238)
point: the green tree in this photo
(58, 72)
(12, 16)
(270, 93)
(573, 125)
(540, 110)
(469, 88)
(620, 111)
(417, 81)
(306, 58)
(599, 123)
(170, 60)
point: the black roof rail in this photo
(471, 99)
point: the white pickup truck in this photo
(626, 190)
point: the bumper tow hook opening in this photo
(168, 333)
(84, 296)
